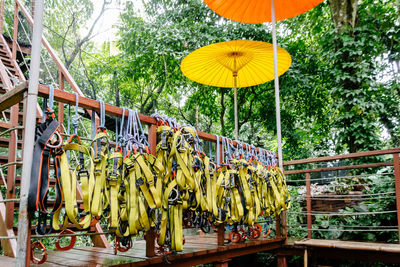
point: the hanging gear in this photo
(134, 190)
(47, 146)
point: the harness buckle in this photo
(112, 179)
(181, 147)
(221, 214)
(83, 173)
(164, 145)
(139, 181)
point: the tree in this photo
(332, 98)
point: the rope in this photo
(345, 230)
(333, 196)
(362, 199)
(19, 47)
(341, 214)
(44, 62)
(93, 125)
(345, 177)
(351, 226)
(102, 114)
(75, 119)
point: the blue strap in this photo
(69, 120)
(51, 96)
(93, 125)
(217, 152)
(44, 109)
(120, 135)
(75, 120)
(102, 114)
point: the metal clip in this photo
(139, 181)
(181, 147)
(164, 145)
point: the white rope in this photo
(321, 213)
(345, 230)
(340, 177)
(350, 226)
(361, 199)
(41, 56)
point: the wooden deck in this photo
(194, 251)
(342, 250)
(349, 245)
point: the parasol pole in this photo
(277, 101)
(236, 108)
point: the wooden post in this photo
(396, 165)
(150, 235)
(221, 227)
(278, 225)
(11, 171)
(305, 257)
(222, 263)
(15, 33)
(9, 246)
(284, 225)
(281, 261)
(308, 196)
(1, 16)
(61, 83)
(221, 234)
(28, 246)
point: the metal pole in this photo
(277, 101)
(308, 197)
(236, 108)
(396, 165)
(31, 104)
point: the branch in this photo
(154, 102)
(183, 116)
(85, 39)
(89, 34)
(87, 77)
(246, 119)
(65, 37)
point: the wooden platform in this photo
(349, 245)
(194, 251)
(342, 250)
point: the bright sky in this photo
(106, 26)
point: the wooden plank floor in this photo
(194, 250)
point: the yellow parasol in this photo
(234, 64)
(259, 11)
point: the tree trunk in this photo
(344, 16)
(344, 13)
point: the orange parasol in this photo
(259, 11)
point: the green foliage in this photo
(379, 197)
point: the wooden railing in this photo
(293, 168)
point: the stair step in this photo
(4, 52)
(4, 160)
(5, 125)
(52, 181)
(6, 59)
(4, 142)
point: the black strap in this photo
(40, 164)
(40, 174)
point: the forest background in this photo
(340, 95)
